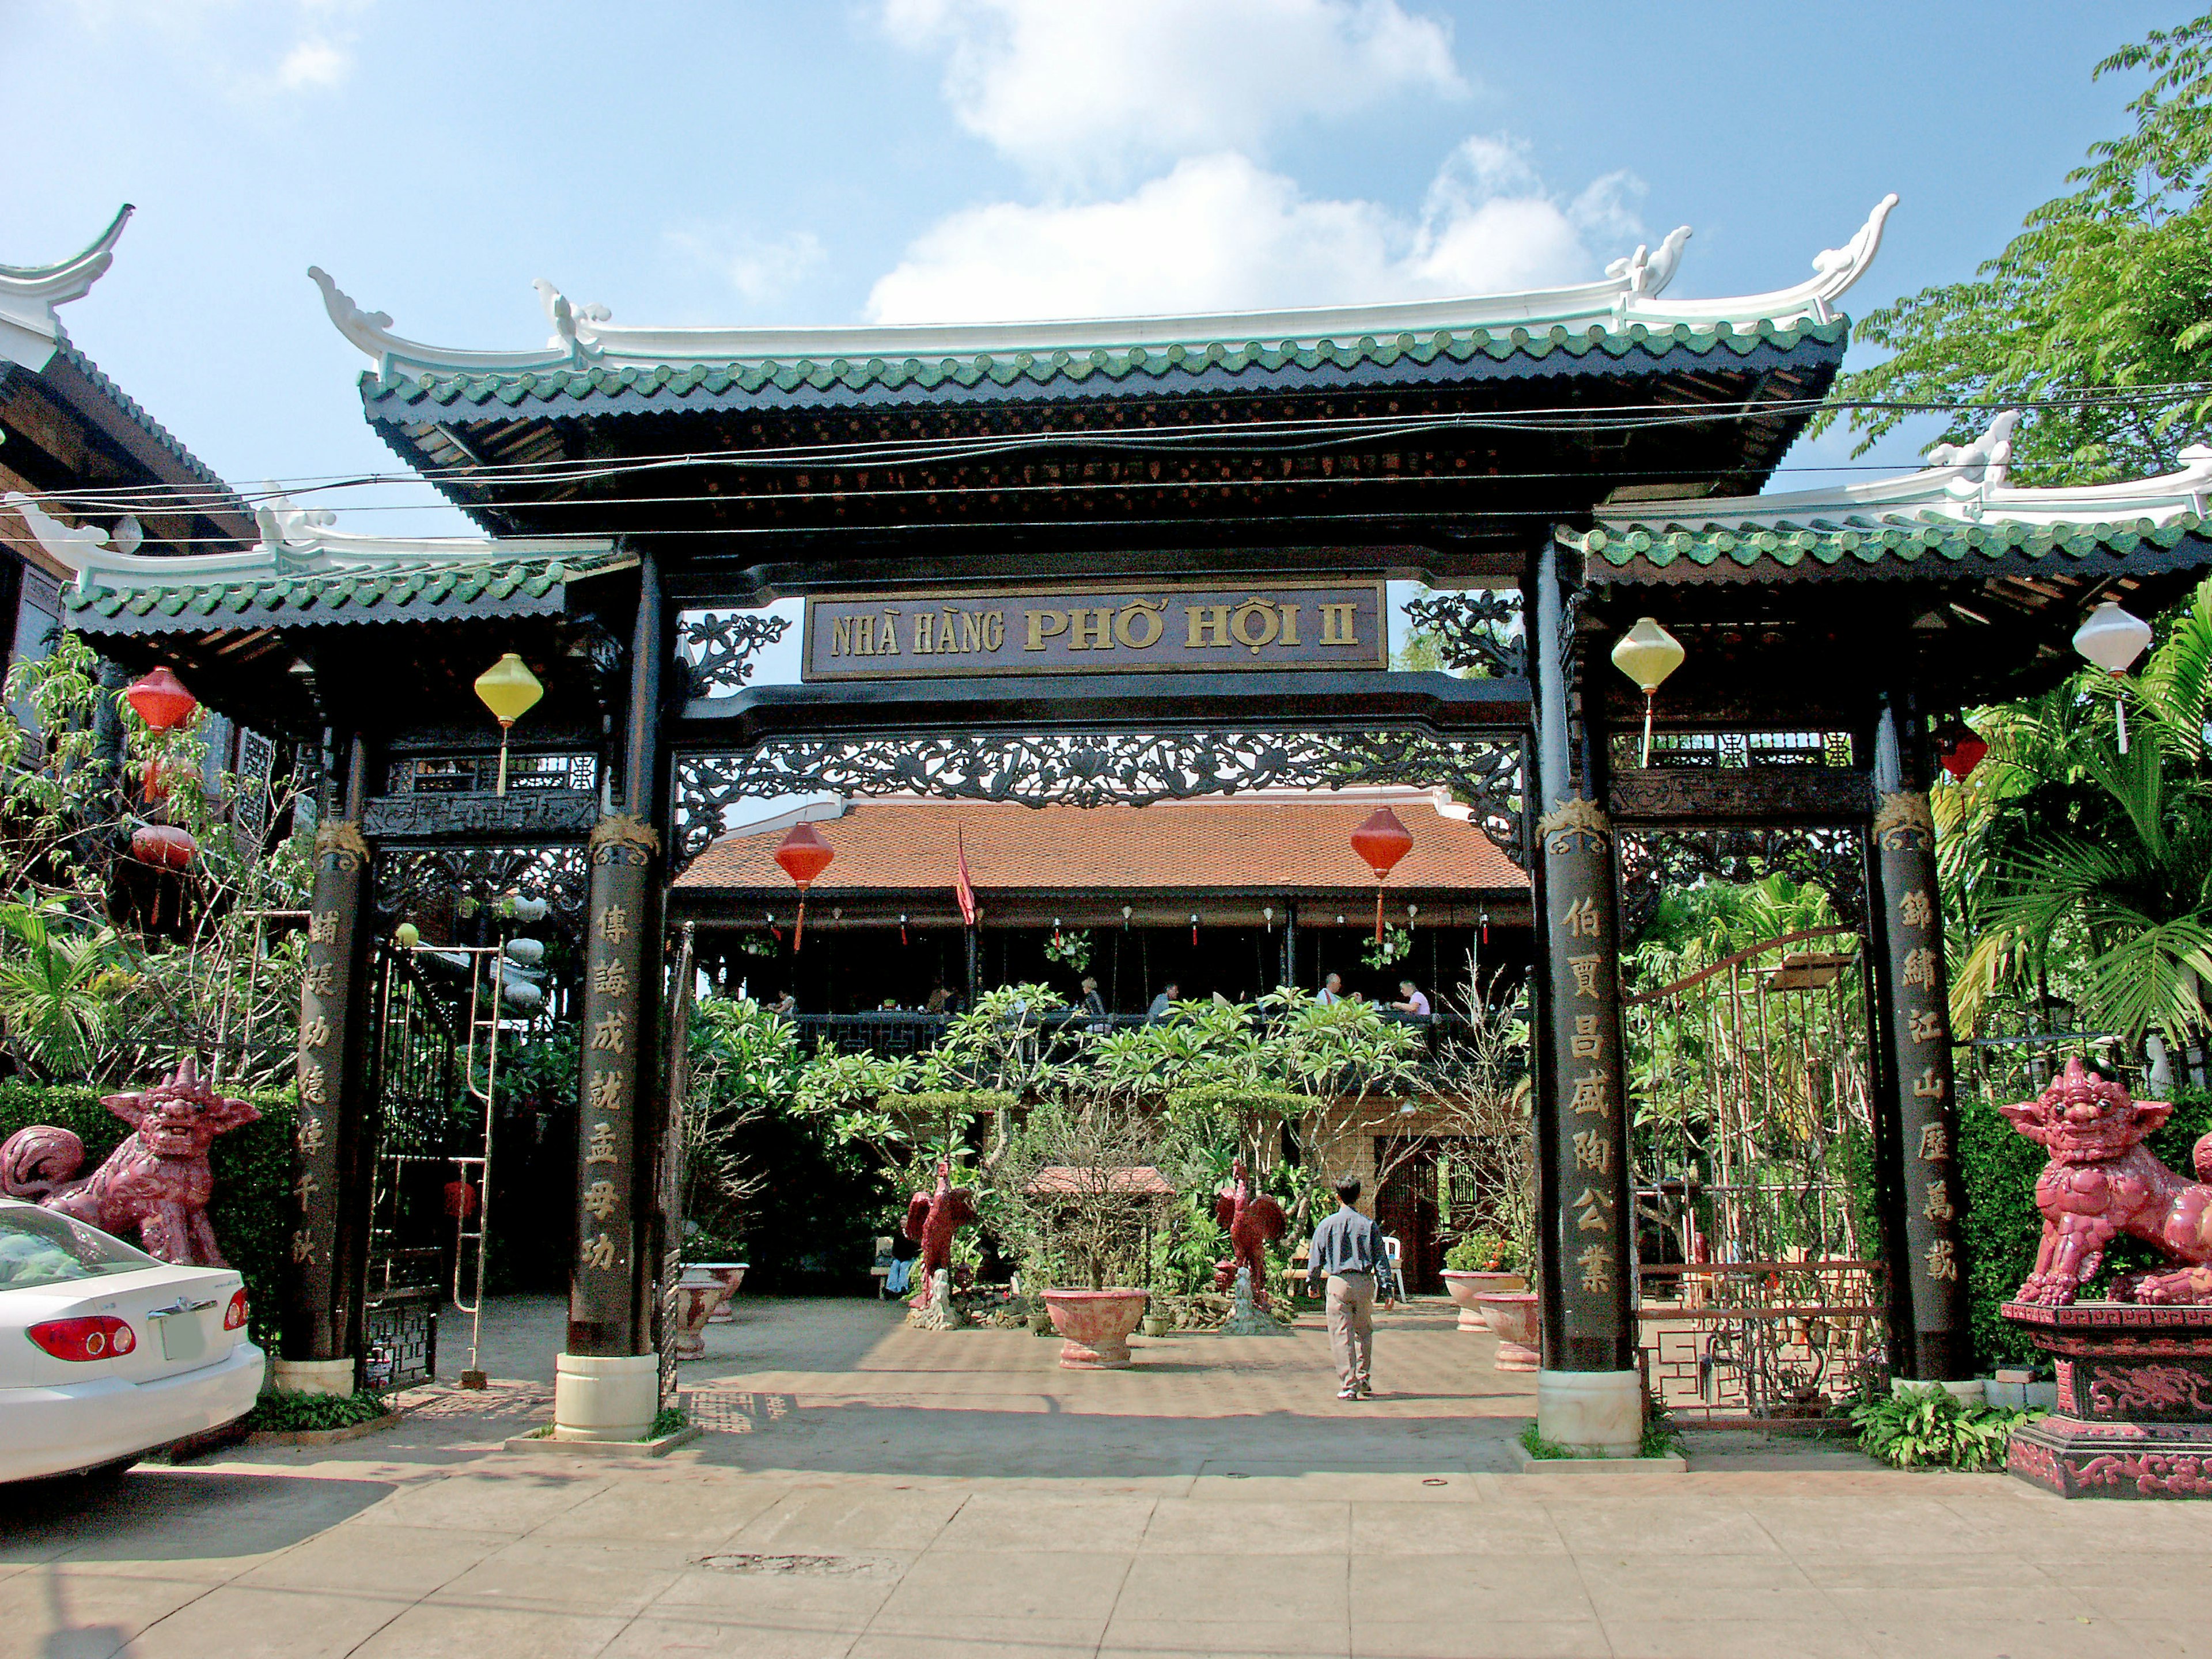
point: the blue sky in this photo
(904, 160)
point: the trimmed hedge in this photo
(2002, 1228)
(251, 1208)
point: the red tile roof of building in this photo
(1298, 843)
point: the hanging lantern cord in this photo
(2120, 710)
(1647, 728)
(798, 928)
(505, 727)
(1378, 913)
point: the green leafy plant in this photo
(1071, 951)
(1662, 1436)
(1483, 1252)
(1395, 946)
(307, 1413)
(1930, 1428)
(1537, 1446)
(668, 1419)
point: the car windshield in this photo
(38, 1247)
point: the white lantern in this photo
(2112, 640)
(1647, 653)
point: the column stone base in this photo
(314, 1376)
(1591, 1413)
(604, 1397)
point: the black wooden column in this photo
(321, 1314)
(1588, 1395)
(1915, 1097)
(608, 1316)
(1586, 1232)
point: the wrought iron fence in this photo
(1761, 1341)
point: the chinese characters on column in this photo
(618, 958)
(1589, 1156)
(1927, 1266)
(327, 994)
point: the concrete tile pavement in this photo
(871, 1491)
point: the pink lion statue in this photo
(2102, 1182)
(157, 1183)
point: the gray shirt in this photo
(1346, 1243)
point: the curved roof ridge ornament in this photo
(295, 542)
(1834, 269)
(1969, 481)
(1630, 292)
(29, 331)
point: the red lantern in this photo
(163, 845)
(162, 700)
(1963, 749)
(804, 855)
(460, 1200)
(1382, 841)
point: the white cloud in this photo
(315, 62)
(1077, 86)
(756, 267)
(1219, 233)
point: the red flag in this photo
(962, 889)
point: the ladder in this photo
(487, 986)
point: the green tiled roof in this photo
(445, 591)
(1169, 368)
(1924, 544)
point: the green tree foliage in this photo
(2064, 858)
(2106, 290)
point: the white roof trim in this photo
(1963, 482)
(29, 331)
(586, 335)
(295, 542)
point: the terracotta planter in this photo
(1464, 1286)
(1097, 1325)
(732, 1274)
(1512, 1314)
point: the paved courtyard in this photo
(865, 1490)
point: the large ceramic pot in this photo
(698, 1296)
(1512, 1316)
(1097, 1325)
(1463, 1286)
(732, 1274)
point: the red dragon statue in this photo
(1253, 1221)
(2102, 1182)
(932, 1218)
(156, 1182)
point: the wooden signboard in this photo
(1096, 629)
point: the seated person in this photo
(1160, 1004)
(1411, 1001)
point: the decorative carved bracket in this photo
(717, 646)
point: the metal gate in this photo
(414, 1066)
(1757, 1298)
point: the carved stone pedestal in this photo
(2134, 1401)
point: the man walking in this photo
(1346, 1248)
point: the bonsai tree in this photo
(1079, 1187)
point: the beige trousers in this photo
(1352, 1327)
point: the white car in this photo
(106, 1353)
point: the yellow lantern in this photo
(1647, 654)
(510, 690)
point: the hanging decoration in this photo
(1393, 944)
(1382, 841)
(1959, 748)
(163, 845)
(1268, 911)
(510, 690)
(160, 700)
(1647, 653)
(902, 930)
(1071, 951)
(804, 855)
(2113, 639)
